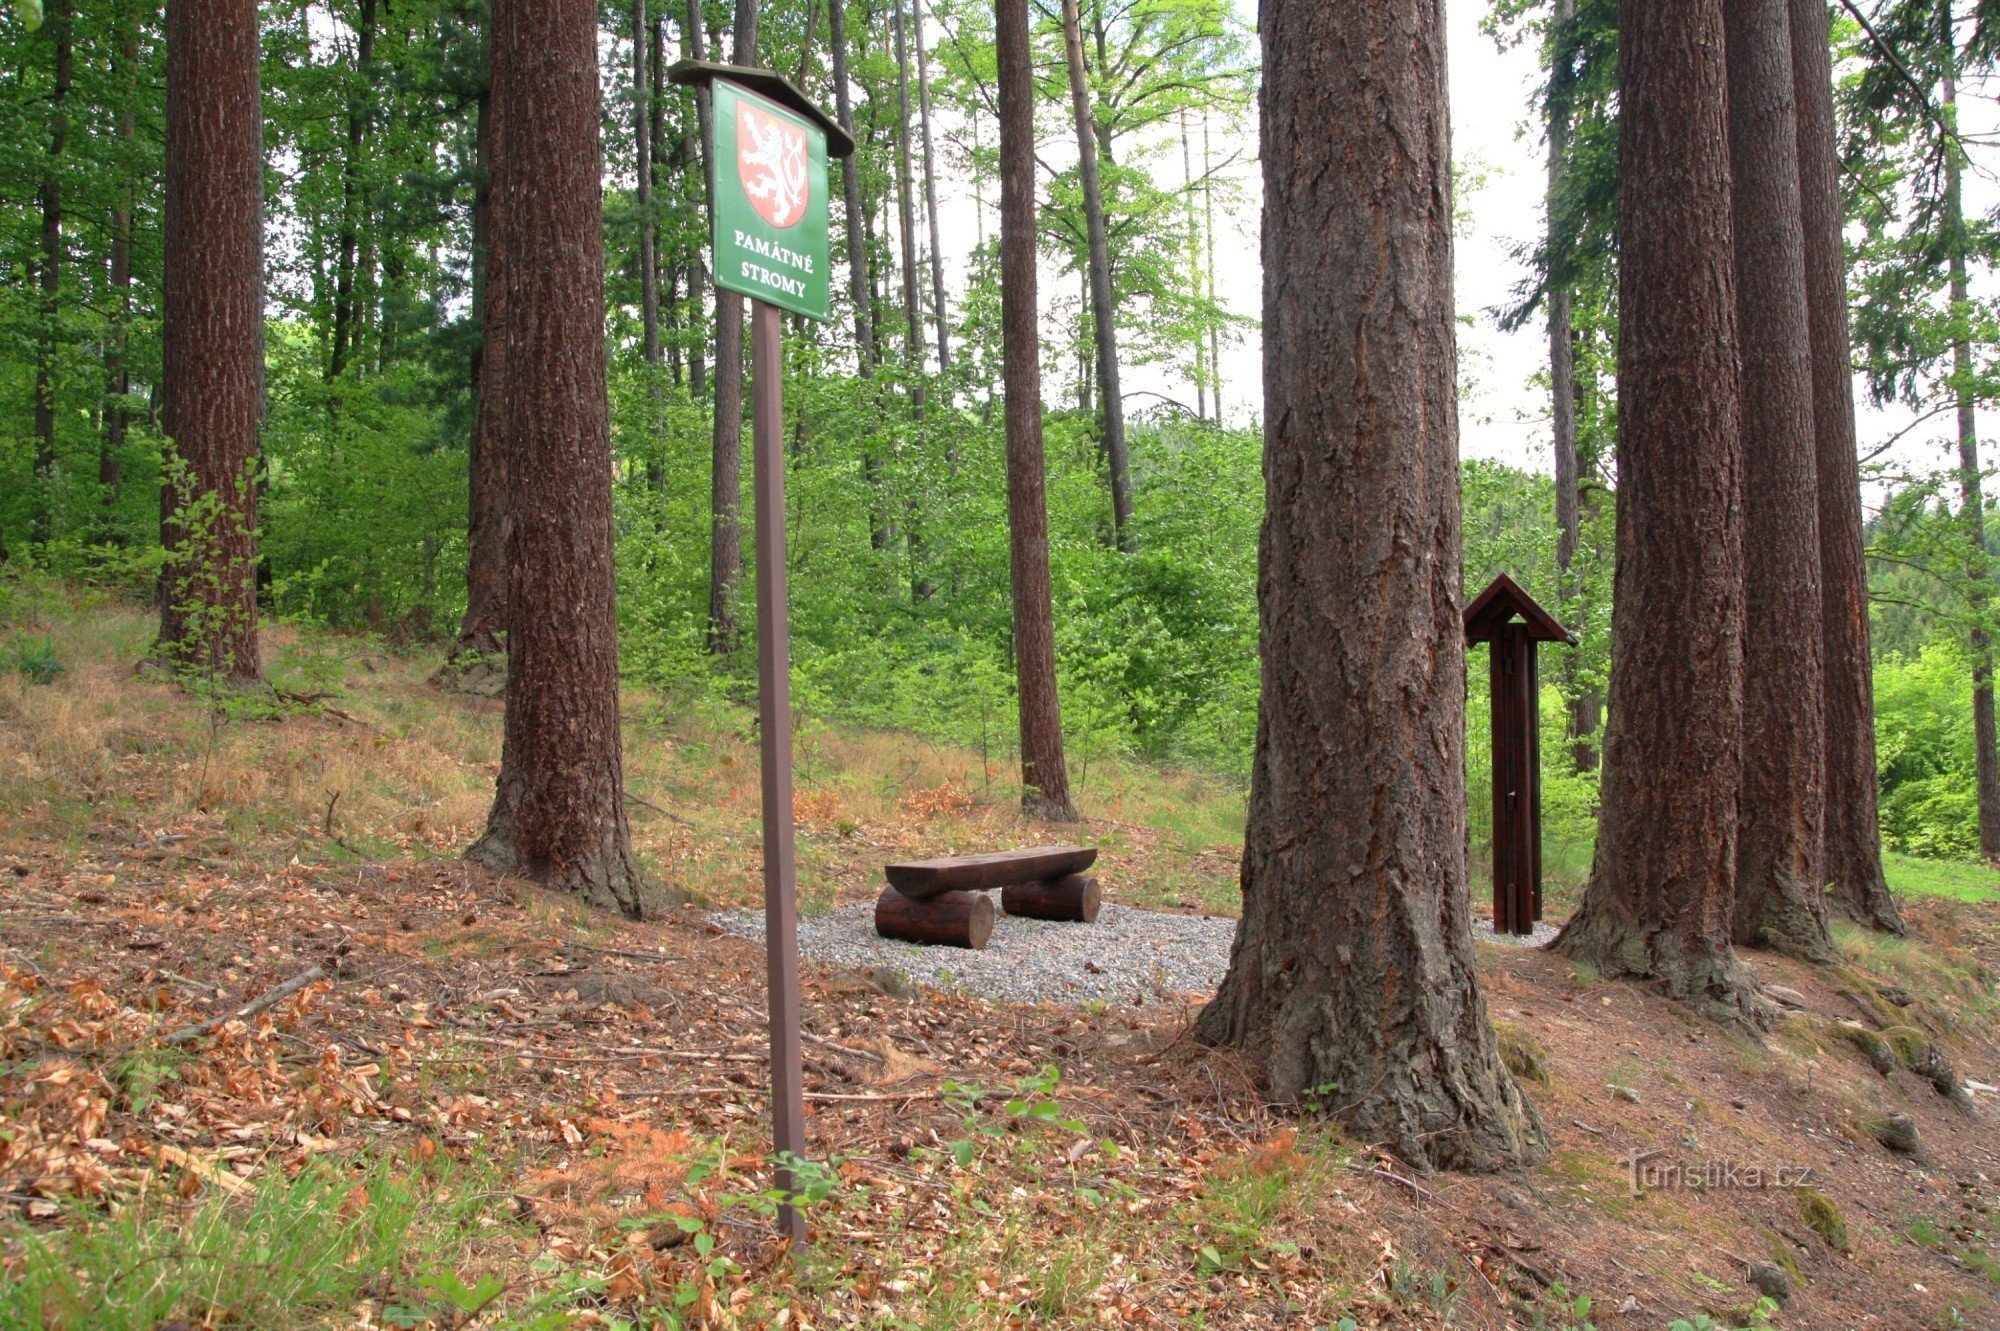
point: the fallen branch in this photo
(825, 1043)
(251, 1009)
(615, 1055)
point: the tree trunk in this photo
(1208, 248)
(931, 204)
(1853, 858)
(1563, 396)
(1195, 265)
(1661, 890)
(649, 247)
(1780, 895)
(694, 146)
(1972, 505)
(860, 288)
(559, 807)
(1044, 774)
(1104, 317)
(117, 371)
(725, 559)
(477, 661)
(913, 335)
(850, 184)
(1353, 974)
(347, 301)
(212, 342)
(642, 134)
(48, 339)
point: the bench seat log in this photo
(923, 879)
(954, 919)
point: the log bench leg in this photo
(1074, 897)
(955, 919)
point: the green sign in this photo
(770, 203)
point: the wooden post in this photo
(1510, 621)
(774, 722)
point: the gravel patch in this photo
(1482, 931)
(1126, 956)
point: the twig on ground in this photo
(251, 1009)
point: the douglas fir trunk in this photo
(1658, 904)
(1779, 896)
(1353, 975)
(1853, 858)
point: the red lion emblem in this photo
(771, 163)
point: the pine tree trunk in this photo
(1852, 869)
(850, 184)
(1780, 900)
(48, 340)
(559, 808)
(477, 660)
(212, 342)
(696, 158)
(1044, 774)
(1353, 974)
(348, 316)
(642, 135)
(1104, 316)
(913, 336)
(725, 562)
(860, 288)
(1661, 890)
(1972, 505)
(931, 205)
(117, 370)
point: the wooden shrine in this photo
(1514, 623)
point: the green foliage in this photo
(1924, 751)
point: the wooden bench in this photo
(944, 901)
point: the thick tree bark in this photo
(1853, 857)
(1353, 975)
(1044, 774)
(117, 371)
(559, 808)
(47, 339)
(1104, 315)
(1780, 901)
(1661, 890)
(1972, 505)
(477, 661)
(725, 558)
(931, 201)
(212, 340)
(348, 296)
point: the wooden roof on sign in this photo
(1501, 603)
(700, 73)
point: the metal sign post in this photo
(768, 187)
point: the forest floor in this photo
(491, 1108)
